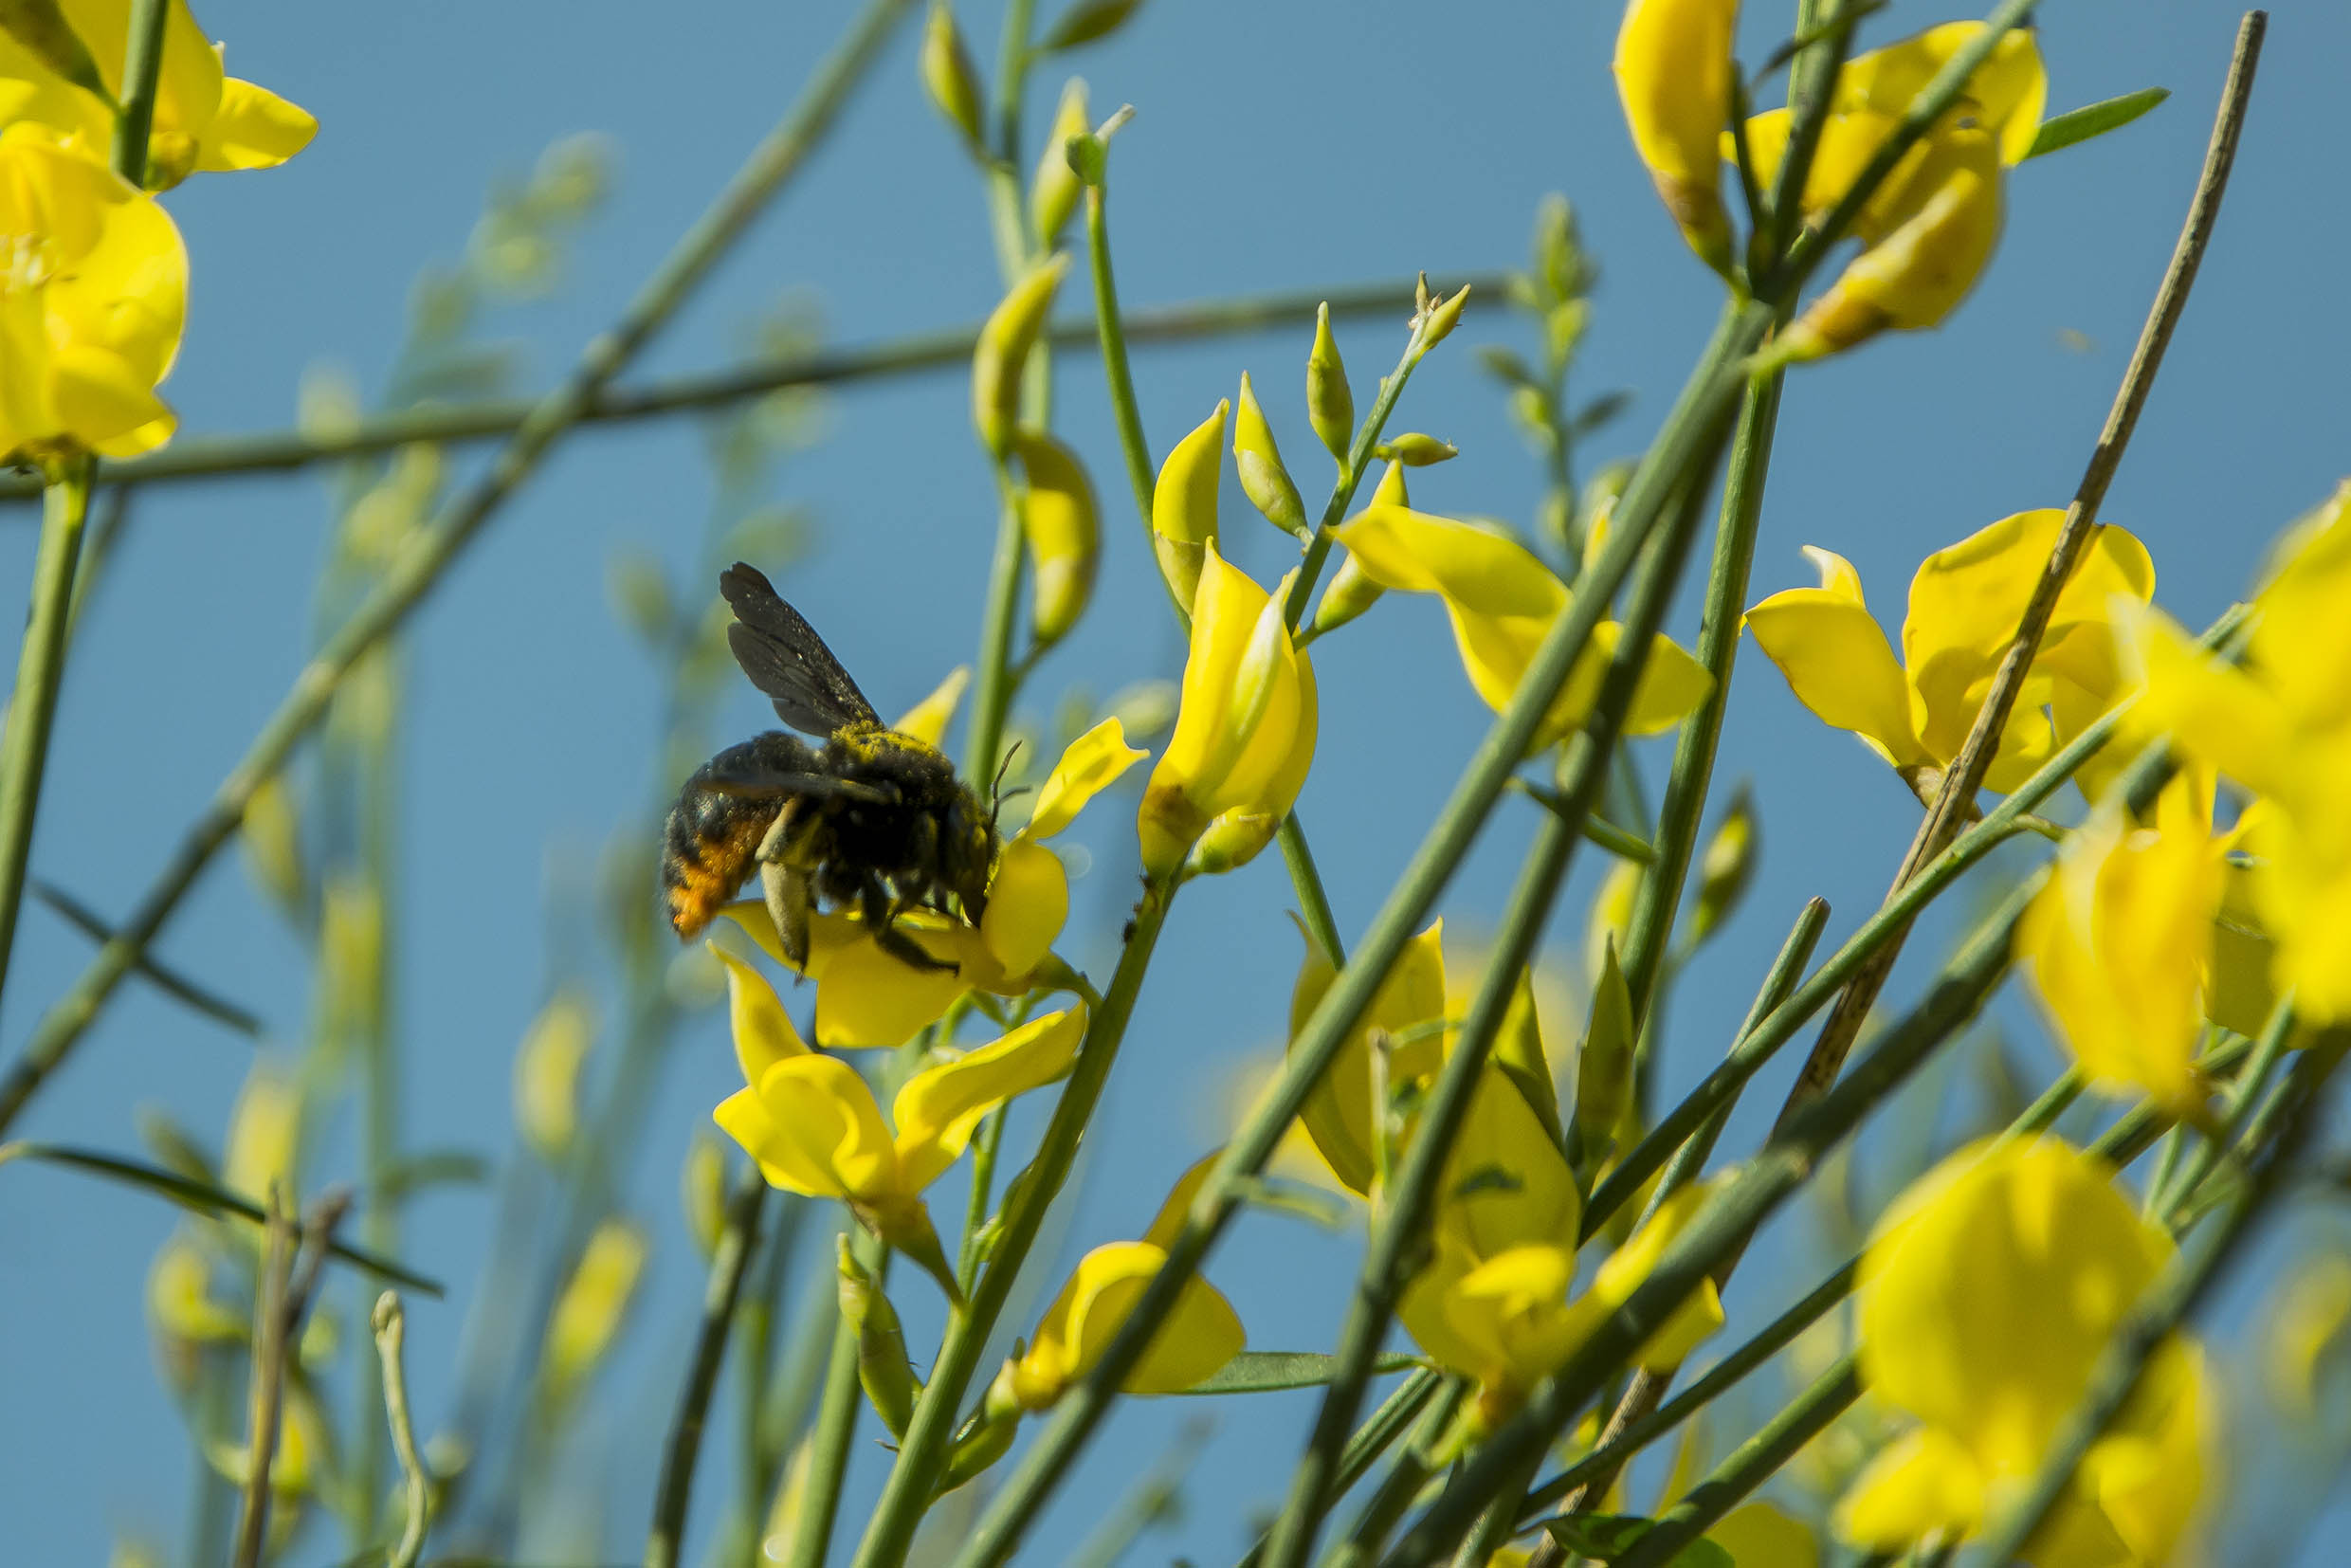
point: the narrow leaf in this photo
(1087, 21)
(203, 1196)
(2094, 119)
(1604, 1538)
(1267, 1370)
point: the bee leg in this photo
(880, 913)
(785, 885)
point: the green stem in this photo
(1314, 904)
(1682, 446)
(1006, 212)
(1749, 1466)
(984, 1151)
(836, 1425)
(1399, 1240)
(2175, 1297)
(2244, 1095)
(992, 699)
(771, 164)
(1141, 473)
(142, 67)
(39, 668)
(727, 1261)
(923, 1451)
(1394, 1497)
(941, 349)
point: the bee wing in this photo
(760, 784)
(785, 659)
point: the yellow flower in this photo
(1409, 1011)
(1987, 1295)
(2281, 725)
(1197, 1336)
(1674, 73)
(927, 721)
(1002, 353)
(93, 294)
(1965, 602)
(264, 1135)
(1244, 734)
(815, 1128)
(2120, 943)
(588, 1314)
(546, 1072)
(1503, 601)
(1030, 896)
(204, 119)
(1183, 503)
(1758, 1535)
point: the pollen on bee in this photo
(701, 873)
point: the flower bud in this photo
(949, 78)
(1003, 351)
(546, 1072)
(1062, 522)
(1674, 74)
(595, 1300)
(1727, 866)
(272, 835)
(1053, 193)
(1442, 317)
(1183, 503)
(1921, 271)
(982, 1446)
(1604, 1061)
(702, 1192)
(1085, 21)
(1416, 450)
(1264, 480)
(882, 1365)
(1330, 404)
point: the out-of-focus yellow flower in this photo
(815, 1128)
(1199, 1336)
(546, 1072)
(93, 294)
(1759, 1534)
(264, 1135)
(1674, 72)
(1965, 602)
(1005, 340)
(1183, 503)
(2305, 1333)
(2281, 725)
(594, 1303)
(1054, 191)
(204, 118)
(1030, 898)
(1062, 522)
(1503, 601)
(1988, 1293)
(1243, 734)
(949, 78)
(180, 1303)
(2121, 940)
(927, 721)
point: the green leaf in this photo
(1606, 1537)
(203, 1196)
(1087, 21)
(2094, 119)
(1269, 1371)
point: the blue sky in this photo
(1275, 148)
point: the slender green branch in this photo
(170, 981)
(727, 1259)
(984, 1152)
(1956, 799)
(1399, 1237)
(1392, 1498)
(142, 67)
(1314, 904)
(923, 1451)
(405, 584)
(1114, 330)
(942, 348)
(991, 699)
(2180, 1292)
(1006, 212)
(836, 1424)
(262, 1401)
(390, 1328)
(40, 670)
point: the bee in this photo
(873, 819)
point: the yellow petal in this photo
(1700, 1313)
(2147, 1476)
(2006, 94)
(1472, 567)
(816, 1131)
(1183, 503)
(1921, 1482)
(1005, 340)
(1199, 1336)
(1028, 902)
(1062, 521)
(940, 1106)
(1761, 1535)
(927, 721)
(1338, 1113)
(869, 997)
(1836, 661)
(2216, 710)
(762, 1030)
(1169, 1222)
(255, 129)
(105, 404)
(1090, 765)
(1673, 71)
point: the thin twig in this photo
(170, 981)
(289, 1277)
(742, 1231)
(1956, 797)
(390, 1328)
(406, 583)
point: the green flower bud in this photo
(1064, 525)
(1727, 865)
(1087, 21)
(1604, 1071)
(1416, 450)
(949, 78)
(981, 1446)
(1054, 194)
(1441, 318)
(1263, 478)
(1183, 502)
(882, 1369)
(1004, 345)
(1330, 405)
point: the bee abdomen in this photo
(708, 851)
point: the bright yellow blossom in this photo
(93, 294)
(1183, 505)
(1987, 1295)
(1965, 602)
(1199, 1335)
(1674, 72)
(2280, 725)
(1030, 896)
(1244, 734)
(815, 1128)
(594, 1303)
(1503, 601)
(2120, 942)
(204, 118)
